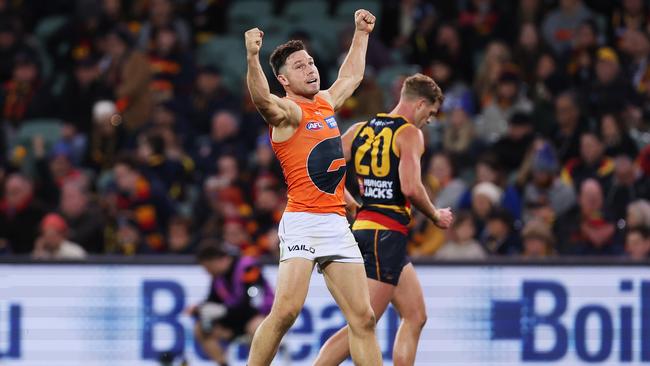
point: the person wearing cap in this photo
(239, 298)
(545, 194)
(538, 240)
(53, 243)
(492, 123)
(609, 92)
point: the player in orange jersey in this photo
(313, 229)
(386, 153)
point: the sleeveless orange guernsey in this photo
(312, 161)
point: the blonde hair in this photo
(422, 86)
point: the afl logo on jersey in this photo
(314, 126)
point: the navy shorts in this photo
(384, 253)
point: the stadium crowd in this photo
(120, 137)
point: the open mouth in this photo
(312, 81)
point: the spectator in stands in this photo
(223, 139)
(615, 137)
(54, 170)
(488, 170)
(179, 236)
(171, 65)
(511, 148)
(609, 92)
(446, 188)
(480, 22)
(497, 55)
(583, 54)
(499, 236)
(637, 243)
(267, 212)
(530, 11)
(26, 95)
(83, 217)
(587, 230)
(463, 245)
(20, 215)
(144, 203)
(592, 163)
(107, 136)
(209, 96)
(486, 197)
(264, 164)
(560, 25)
(53, 244)
(157, 166)
(80, 94)
(627, 186)
(635, 44)
(459, 135)
(549, 81)
(545, 194)
(12, 43)
(449, 47)
(629, 15)
(638, 214)
(493, 122)
(161, 15)
(570, 125)
(538, 240)
(129, 75)
(528, 50)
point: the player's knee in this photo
(285, 317)
(363, 322)
(418, 318)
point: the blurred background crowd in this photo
(126, 126)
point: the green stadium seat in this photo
(388, 75)
(48, 26)
(346, 9)
(49, 128)
(247, 14)
(302, 9)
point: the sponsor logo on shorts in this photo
(314, 126)
(302, 247)
(331, 122)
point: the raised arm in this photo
(410, 145)
(276, 111)
(353, 67)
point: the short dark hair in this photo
(210, 249)
(279, 56)
(128, 160)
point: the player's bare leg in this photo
(346, 282)
(337, 347)
(290, 293)
(210, 345)
(409, 302)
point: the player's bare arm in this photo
(410, 144)
(353, 67)
(276, 111)
(348, 137)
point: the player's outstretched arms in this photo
(353, 67)
(276, 111)
(410, 145)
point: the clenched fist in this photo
(364, 21)
(253, 39)
(444, 218)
